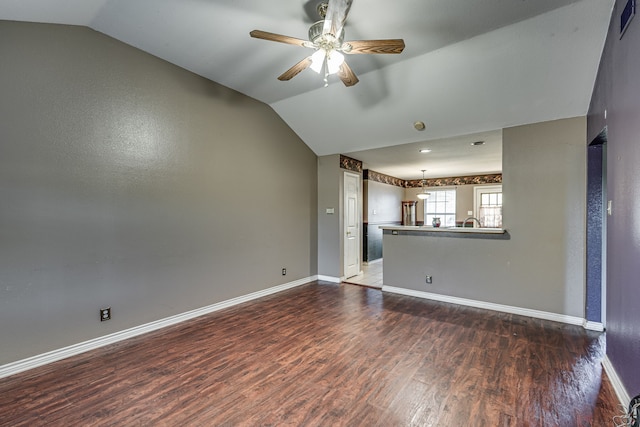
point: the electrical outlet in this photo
(105, 314)
(429, 280)
(284, 271)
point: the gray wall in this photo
(128, 182)
(542, 266)
(617, 91)
(382, 205)
(330, 195)
(385, 200)
(330, 226)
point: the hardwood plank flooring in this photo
(330, 355)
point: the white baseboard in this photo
(618, 387)
(72, 350)
(375, 261)
(562, 318)
(328, 278)
(593, 326)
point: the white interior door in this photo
(351, 225)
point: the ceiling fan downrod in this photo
(322, 9)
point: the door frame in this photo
(345, 221)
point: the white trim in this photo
(571, 320)
(618, 387)
(593, 326)
(345, 219)
(75, 349)
(360, 273)
(328, 278)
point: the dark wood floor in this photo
(331, 355)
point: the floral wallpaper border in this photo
(432, 182)
(384, 179)
(456, 180)
(350, 164)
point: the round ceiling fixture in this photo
(425, 150)
(419, 126)
(477, 143)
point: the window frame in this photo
(443, 216)
(477, 190)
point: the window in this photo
(442, 204)
(488, 205)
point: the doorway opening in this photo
(370, 275)
(595, 301)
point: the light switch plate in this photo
(330, 211)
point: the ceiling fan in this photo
(326, 37)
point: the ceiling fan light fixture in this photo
(327, 38)
(317, 60)
(334, 60)
(423, 194)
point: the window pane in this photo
(441, 204)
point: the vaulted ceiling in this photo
(468, 66)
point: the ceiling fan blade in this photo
(347, 75)
(258, 34)
(374, 46)
(336, 16)
(296, 69)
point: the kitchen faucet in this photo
(472, 218)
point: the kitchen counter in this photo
(469, 232)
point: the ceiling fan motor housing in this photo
(317, 38)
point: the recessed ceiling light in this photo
(425, 150)
(477, 143)
(419, 125)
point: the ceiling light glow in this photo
(317, 60)
(334, 61)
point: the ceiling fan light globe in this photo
(334, 60)
(317, 60)
(423, 196)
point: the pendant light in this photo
(423, 194)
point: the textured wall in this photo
(128, 182)
(385, 200)
(330, 226)
(542, 265)
(617, 91)
(595, 218)
(330, 193)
